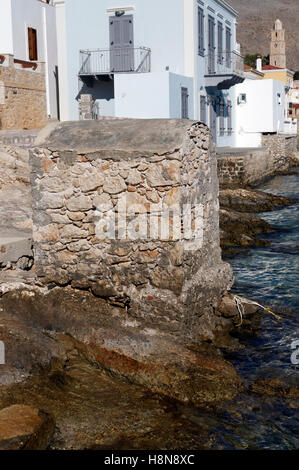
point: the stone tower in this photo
(278, 46)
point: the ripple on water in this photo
(270, 276)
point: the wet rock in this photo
(228, 307)
(27, 349)
(249, 200)
(25, 428)
(108, 336)
(96, 410)
(274, 388)
(241, 229)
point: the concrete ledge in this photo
(221, 151)
(14, 246)
(127, 137)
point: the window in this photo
(184, 98)
(242, 98)
(211, 45)
(229, 118)
(220, 43)
(32, 44)
(221, 118)
(203, 110)
(201, 33)
(228, 41)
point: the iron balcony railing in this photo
(116, 60)
(224, 63)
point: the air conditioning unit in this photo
(242, 98)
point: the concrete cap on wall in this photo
(130, 138)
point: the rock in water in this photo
(249, 200)
(25, 428)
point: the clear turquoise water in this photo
(270, 276)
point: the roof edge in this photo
(227, 7)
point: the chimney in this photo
(259, 64)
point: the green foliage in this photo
(250, 60)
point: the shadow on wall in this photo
(103, 93)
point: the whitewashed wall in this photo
(151, 95)
(6, 35)
(16, 16)
(262, 111)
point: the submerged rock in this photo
(274, 388)
(117, 343)
(96, 410)
(25, 428)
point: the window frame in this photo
(201, 31)
(32, 44)
(220, 31)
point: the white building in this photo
(28, 33)
(259, 110)
(150, 59)
(261, 107)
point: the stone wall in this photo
(80, 173)
(18, 137)
(23, 103)
(281, 147)
(240, 168)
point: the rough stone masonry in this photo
(156, 293)
(80, 171)
(23, 102)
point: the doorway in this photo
(121, 43)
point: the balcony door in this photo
(211, 45)
(213, 118)
(121, 43)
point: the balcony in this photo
(104, 63)
(223, 69)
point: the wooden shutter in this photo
(200, 31)
(184, 98)
(228, 47)
(203, 113)
(229, 117)
(211, 60)
(220, 43)
(221, 118)
(121, 43)
(32, 44)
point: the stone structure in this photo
(23, 103)
(86, 107)
(242, 167)
(278, 46)
(18, 137)
(80, 171)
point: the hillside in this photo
(256, 19)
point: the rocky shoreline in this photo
(87, 391)
(64, 389)
(240, 222)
